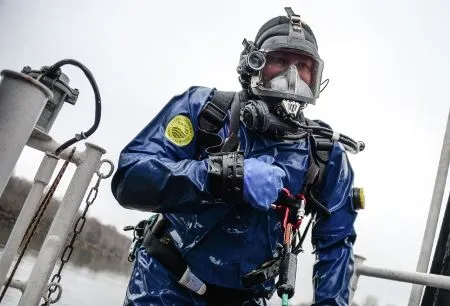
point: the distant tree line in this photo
(97, 245)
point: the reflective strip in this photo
(192, 282)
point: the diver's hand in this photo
(262, 182)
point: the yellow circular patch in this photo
(180, 130)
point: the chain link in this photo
(58, 289)
(78, 227)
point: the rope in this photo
(35, 221)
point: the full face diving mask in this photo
(285, 81)
(289, 75)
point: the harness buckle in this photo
(214, 114)
(268, 270)
(139, 231)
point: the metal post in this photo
(43, 176)
(22, 99)
(433, 215)
(440, 263)
(359, 260)
(18, 284)
(60, 227)
(41, 141)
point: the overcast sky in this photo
(388, 64)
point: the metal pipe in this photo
(440, 263)
(41, 179)
(359, 260)
(34, 287)
(22, 100)
(41, 141)
(61, 224)
(433, 215)
(432, 280)
(18, 284)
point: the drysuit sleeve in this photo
(157, 170)
(333, 236)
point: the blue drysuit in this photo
(223, 241)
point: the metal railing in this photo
(420, 277)
(22, 100)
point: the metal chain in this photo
(31, 229)
(78, 227)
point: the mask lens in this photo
(281, 61)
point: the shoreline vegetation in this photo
(99, 247)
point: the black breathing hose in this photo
(354, 146)
(98, 105)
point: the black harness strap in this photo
(232, 141)
(215, 111)
(211, 120)
(319, 154)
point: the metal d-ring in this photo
(111, 170)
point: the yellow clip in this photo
(359, 201)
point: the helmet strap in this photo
(295, 29)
